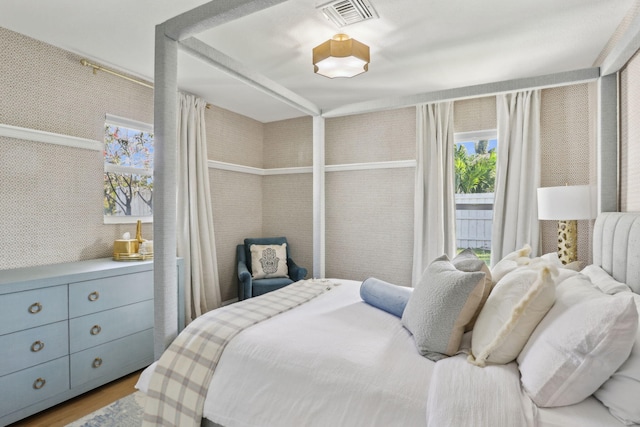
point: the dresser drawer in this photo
(24, 310)
(29, 386)
(108, 360)
(99, 328)
(31, 347)
(102, 294)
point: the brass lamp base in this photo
(568, 241)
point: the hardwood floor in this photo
(73, 409)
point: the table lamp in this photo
(566, 205)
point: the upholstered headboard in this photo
(616, 246)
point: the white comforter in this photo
(462, 394)
(294, 370)
(336, 361)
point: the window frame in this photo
(131, 124)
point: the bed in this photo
(333, 359)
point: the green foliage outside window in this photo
(475, 173)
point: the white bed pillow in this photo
(604, 281)
(269, 261)
(552, 257)
(515, 307)
(580, 343)
(442, 303)
(510, 262)
(468, 261)
(620, 392)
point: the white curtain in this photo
(195, 239)
(434, 203)
(515, 210)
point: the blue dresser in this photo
(68, 328)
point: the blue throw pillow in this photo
(385, 296)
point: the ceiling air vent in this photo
(347, 12)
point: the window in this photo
(128, 171)
(475, 164)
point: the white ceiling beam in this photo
(245, 74)
(212, 14)
(622, 52)
(550, 80)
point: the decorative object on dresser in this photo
(128, 249)
(68, 328)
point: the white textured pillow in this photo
(564, 271)
(440, 306)
(604, 281)
(269, 261)
(510, 262)
(579, 344)
(552, 257)
(620, 392)
(468, 261)
(514, 308)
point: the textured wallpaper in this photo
(369, 214)
(237, 213)
(567, 148)
(372, 137)
(288, 211)
(475, 114)
(51, 197)
(369, 224)
(630, 136)
(233, 138)
(288, 143)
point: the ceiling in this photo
(417, 46)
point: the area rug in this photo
(125, 412)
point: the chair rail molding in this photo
(35, 135)
(394, 164)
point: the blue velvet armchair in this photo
(249, 287)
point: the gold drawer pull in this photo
(97, 362)
(34, 308)
(93, 296)
(39, 383)
(37, 346)
(95, 330)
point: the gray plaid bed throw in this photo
(179, 383)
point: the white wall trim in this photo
(49, 137)
(394, 164)
(128, 123)
(288, 171)
(475, 135)
(214, 164)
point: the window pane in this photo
(128, 147)
(128, 194)
(475, 164)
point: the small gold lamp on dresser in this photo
(567, 204)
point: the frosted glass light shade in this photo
(341, 56)
(566, 202)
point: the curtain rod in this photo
(115, 73)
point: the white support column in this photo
(165, 283)
(318, 198)
(607, 144)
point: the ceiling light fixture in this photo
(341, 56)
